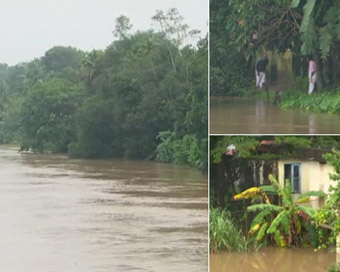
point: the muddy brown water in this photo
(273, 260)
(255, 116)
(58, 214)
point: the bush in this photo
(334, 268)
(224, 234)
(300, 83)
(186, 150)
(328, 102)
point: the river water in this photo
(273, 259)
(255, 116)
(58, 214)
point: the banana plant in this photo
(284, 223)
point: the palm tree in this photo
(285, 223)
(90, 65)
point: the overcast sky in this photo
(29, 28)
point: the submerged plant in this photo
(286, 223)
(334, 268)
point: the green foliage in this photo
(122, 27)
(285, 223)
(320, 26)
(47, 116)
(293, 141)
(329, 213)
(228, 66)
(115, 102)
(244, 146)
(180, 151)
(96, 125)
(247, 147)
(328, 102)
(307, 28)
(225, 235)
(242, 30)
(59, 58)
(334, 268)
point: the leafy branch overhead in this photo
(282, 24)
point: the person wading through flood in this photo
(311, 75)
(260, 72)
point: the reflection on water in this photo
(254, 116)
(100, 215)
(273, 259)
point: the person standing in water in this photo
(260, 73)
(311, 74)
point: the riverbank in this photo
(325, 102)
(328, 102)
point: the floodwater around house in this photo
(271, 259)
(59, 215)
(255, 116)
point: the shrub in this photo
(225, 235)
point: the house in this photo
(305, 174)
(306, 170)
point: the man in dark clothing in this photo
(260, 72)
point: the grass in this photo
(225, 235)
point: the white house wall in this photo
(314, 177)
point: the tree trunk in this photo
(318, 69)
(325, 64)
(335, 68)
(220, 184)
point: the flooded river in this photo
(62, 215)
(273, 259)
(255, 116)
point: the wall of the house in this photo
(314, 177)
(255, 173)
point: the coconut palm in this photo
(285, 223)
(89, 66)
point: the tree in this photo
(47, 116)
(64, 62)
(114, 102)
(90, 66)
(173, 28)
(328, 215)
(239, 29)
(122, 27)
(284, 222)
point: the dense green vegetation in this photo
(321, 102)
(329, 213)
(267, 214)
(285, 223)
(225, 234)
(144, 97)
(334, 268)
(241, 30)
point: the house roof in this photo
(306, 154)
(313, 154)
